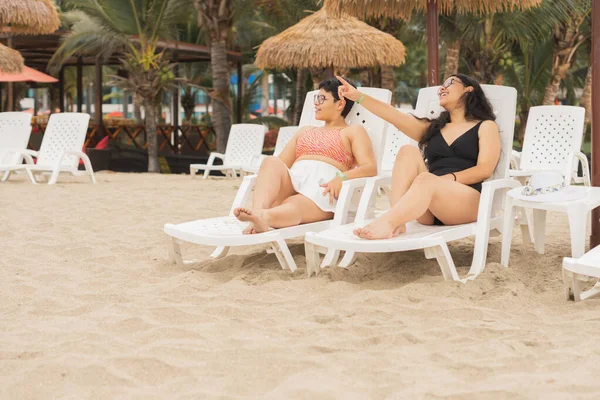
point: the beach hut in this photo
(322, 41)
(35, 17)
(404, 8)
(11, 61)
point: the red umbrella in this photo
(28, 75)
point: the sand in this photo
(91, 309)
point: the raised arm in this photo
(409, 125)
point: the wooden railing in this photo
(190, 139)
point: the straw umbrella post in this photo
(320, 41)
(33, 17)
(595, 238)
(11, 61)
(404, 8)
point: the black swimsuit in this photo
(443, 159)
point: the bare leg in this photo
(273, 186)
(408, 165)
(452, 202)
(294, 210)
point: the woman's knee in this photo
(408, 151)
(272, 163)
(425, 178)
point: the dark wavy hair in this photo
(477, 108)
(331, 85)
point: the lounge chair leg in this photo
(566, 276)
(206, 173)
(330, 258)
(174, 251)
(348, 259)
(575, 286)
(54, 176)
(5, 176)
(312, 259)
(31, 176)
(220, 252)
(442, 254)
(539, 229)
(526, 224)
(283, 254)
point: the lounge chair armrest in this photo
(243, 193)
(25, 153)
(493, 185)
(367, 200)
(585, 167)
(515, 160)
(488, 189)
(344, 201)
(213, 156)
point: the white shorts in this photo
(308, 175)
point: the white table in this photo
(577, 210)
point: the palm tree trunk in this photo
(299, 95)
(221, 102)
(275, 96)
(523, 118)
(567, 41)
(586, 96)
(452, 58)
(388, 80)
(150, 110)
(264, 85)
(137, 111)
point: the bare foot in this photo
(257, 219)
(381, 228)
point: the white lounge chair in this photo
(15, 129)
(244, 143)
(432, 239)
(552, 142)
(60, 150)
(394, 140)
(225, 232)
(583, 269)
(283, 137)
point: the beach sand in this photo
(91, 309)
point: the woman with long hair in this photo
(302, 184)
(439, 183)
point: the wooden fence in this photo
(189, 139)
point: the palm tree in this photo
(131, 28)
(568, 36)
(215, 17)
(528, 72)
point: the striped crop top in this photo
(327, 143)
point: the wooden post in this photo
(10, 93)
(240, 85)
(175, 108)
(433, 40)
(61, 89)
(98, 97)
(595, 238)
(80, 85)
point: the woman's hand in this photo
(347, 90)
(333, 187)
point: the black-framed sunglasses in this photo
(449, 82)
(319, 99)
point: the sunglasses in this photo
(319, 99)
(448, 83)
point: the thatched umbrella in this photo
(323, 41)
(11, 61)
(29, 16)
(404, 8)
